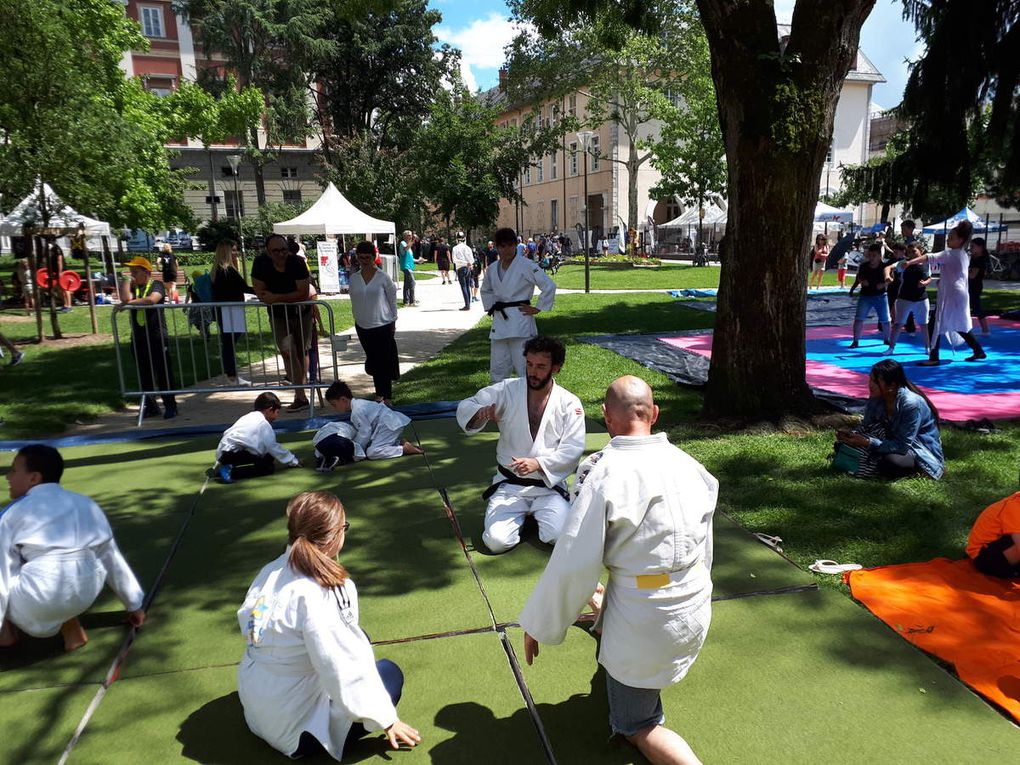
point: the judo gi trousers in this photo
(508, 508)
(506, 356)
(52, 589)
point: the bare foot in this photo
(410, 448)
(73, 634)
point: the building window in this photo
(554, 214)
(152, 21)
(573, 158)
(594, 162)
(527, 175)
(553, 162)
(541, 169)
(160, 91)
(292, 196)
(288, 172)
(226, 171)
(572, 107)
(235, 203)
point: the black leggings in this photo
(248, 465)
(893, 466)
(992, 560)
(968, 338)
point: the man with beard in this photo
(541, 439)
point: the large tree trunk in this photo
(776, 109)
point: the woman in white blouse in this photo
(309, 680)
(374, 302)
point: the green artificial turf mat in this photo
(797, 678)
(741, 564)
(411, 574)
(463, 716)
(38, 724)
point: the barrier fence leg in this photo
(141, 410)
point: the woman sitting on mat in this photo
(309, 681)
(994, 542)
(911, 443)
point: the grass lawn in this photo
(61, 382)
(773, 481)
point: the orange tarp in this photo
(949, 609)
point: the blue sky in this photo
(480, 29)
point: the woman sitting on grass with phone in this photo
(899, 435)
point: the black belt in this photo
(516, 480)
(500, 306)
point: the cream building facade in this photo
(553, 185)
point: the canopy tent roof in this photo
(827, 214)
(713, 215)
(965, 214)
(333, 214)
(63, 219)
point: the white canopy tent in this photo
(980, 226)
(713, 215)
(827, 214)
(332, 215)
(62, 219)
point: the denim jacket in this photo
(912, 429)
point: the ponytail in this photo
(315, 521)
(305, 558)
(892, 373)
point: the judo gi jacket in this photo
(516, 283)
(254, 433)
(643, 509)
(56, 553)
(559, 443)
(308, 665)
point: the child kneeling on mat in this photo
(309, 680)
(334, 445)
(994, 541)
(377, 429)
(248, 447)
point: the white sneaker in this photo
(242, 382)
(888, 352)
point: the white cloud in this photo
(481, 43)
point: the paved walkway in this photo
(422, 333)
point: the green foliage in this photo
(261, 224)
(75, 122)
(214, 232)
(690, 154)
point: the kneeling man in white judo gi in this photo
(56, 553)
(643, 509)
(541, 440)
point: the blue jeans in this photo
(408, 286)
(632, 710)
(393, 681)
(464, 278)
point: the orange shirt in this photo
(995, 520)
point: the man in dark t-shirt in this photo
(281, 279)
(872, 277)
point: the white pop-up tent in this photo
(966, 213)
(333, 215)
(61, 218)
(713, 215)
(827, 214)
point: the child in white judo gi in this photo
(541, 439)
(375, 431)
(643, 509)
(248, 448)
(309, 680)
(56, 553)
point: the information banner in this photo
(329, 272)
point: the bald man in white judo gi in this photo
(541, 440)
(643, 509)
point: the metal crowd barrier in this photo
(189, 355)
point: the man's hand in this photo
(525, 465)
(529, 310)
(530, 649)
(136, 618)
(484, 415)
(402, 733)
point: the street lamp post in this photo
(235, 161)
(585, 137)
